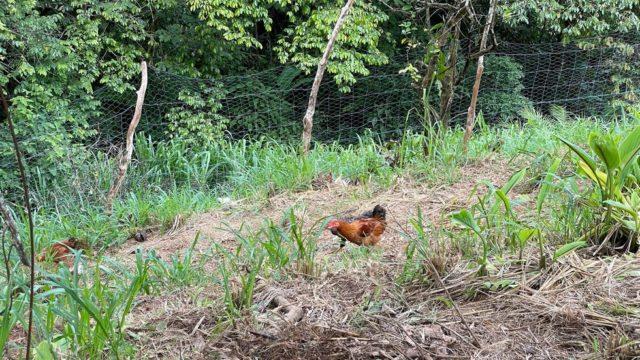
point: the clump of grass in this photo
(238, 280)
(425, 251)
(83, 313)
(180, 270)
(612, 172)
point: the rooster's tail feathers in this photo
(379, 212)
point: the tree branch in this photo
(125, 159)
(27, 205)
(313, 96)
(471, 112)
(13, 231)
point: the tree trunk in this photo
(471, 112)
(449, 83)
(441, 40)
(313, 96)
(125, 159)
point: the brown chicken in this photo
(60, 252)
(365, 229)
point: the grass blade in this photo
(546, 184)
(567, 248)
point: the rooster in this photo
(365, 229)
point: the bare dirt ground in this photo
(402, 201)
(579, 307)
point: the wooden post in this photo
(125, 158)
(313, 96)
(471, 112)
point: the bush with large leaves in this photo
(613, 171)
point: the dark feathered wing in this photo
(378, 212)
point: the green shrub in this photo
(500, 97)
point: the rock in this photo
(140, 236)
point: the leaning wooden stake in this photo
(125, 159)
(471, 112)
(311, 108)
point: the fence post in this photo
(125, 159)
(313, 96)
(471, 112)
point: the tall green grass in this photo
(82, 314)
(171, 178)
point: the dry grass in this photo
(581, 307)
(401, 200)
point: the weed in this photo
(613, 177)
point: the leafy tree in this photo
(52, 56)
(234, 20)
(357, 45)
(575, 19)
(588, 24)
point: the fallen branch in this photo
(125, 159)
(313, 96)
(292, 313)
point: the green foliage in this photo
(502, 87)
(197, 122)
(234, 20)
(609, 24)
(574, 18)
(355, 48)
(611, 175)
(54, 58)
(52, 61)
(179, 271)
(467, 220)
(494, 220)
(91, 309)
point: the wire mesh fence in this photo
(272, 102)
(587, 81)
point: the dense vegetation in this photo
(68, 69)
(64, 63)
